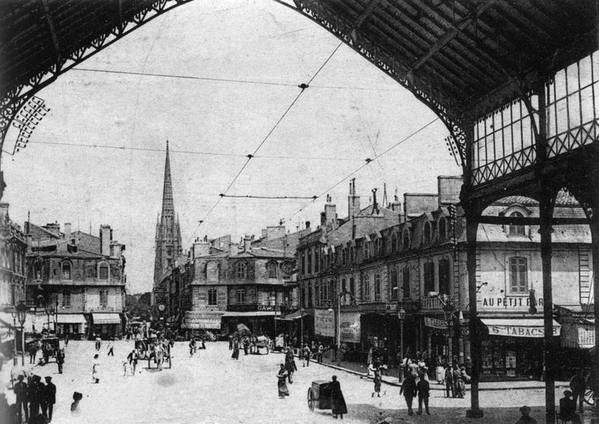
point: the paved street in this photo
(213, 388)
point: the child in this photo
(377, 382)
(125, 368)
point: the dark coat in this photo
(49, 393)
(337, 400)
(20, 390)
(423, 388)
(408, 387)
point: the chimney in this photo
(67, 231)
(375, 205)
(105, 239)
(395, 206)
(54, 228)
(200, 248)
(328, 218)
(307, 225)
(247, 243)
(353, 200)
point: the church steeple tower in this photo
(168, 232)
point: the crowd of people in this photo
(34, 399)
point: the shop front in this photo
(196, 323)
(72, 325)
(259, 322)
(577, 338)
(513, 348)
(351, 334)
(324, 326)
(106, 325)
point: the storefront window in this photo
(518, 274)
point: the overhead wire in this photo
(302, 88)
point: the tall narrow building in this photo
(168, 232)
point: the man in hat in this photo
(526, 418)
(33, 396)
(48, 398)
(60, 360)
(567, 408)
(20, 389)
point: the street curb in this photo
(435, 386)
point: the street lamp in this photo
(50, 311)
(21, 316)
(13, 313)
(401, 314)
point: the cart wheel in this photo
(311, 400)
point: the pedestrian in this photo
(49, 398)
(320, 353)
(110, 349)
(306, 356)
(246, 345)
(290, 364)
(96, 369)
(21, 390)
(33, 396)
(377, 382)
(578, 387)
(192, 346)
(66, 339)
(46, 352)
(408, 389)
(456, 376)
(338, 405)
(230, 342)
(98, 343)
(32, 352)
(235, 354)
(423, 389)
(449, 387)
(60, 360)
(76, 399)
(132, 359)
(281, 382)
(567, 409)
(526, 418)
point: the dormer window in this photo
(406, 239)
(442, 228)
(516, 230)
(428, 232)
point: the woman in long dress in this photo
(235, 354)
(96, 369)
(337, 400)
(281, 384)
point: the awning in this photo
(518, 327)
(293, 316)
(250, 314)
(106, 318)
(6, 319)
(70, 319)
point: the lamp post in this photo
(401, 314)
(50, 311)
(338, 319)
(21, 316)
(13, 313)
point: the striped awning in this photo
(107, 318)
(70, 319)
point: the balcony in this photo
(431, 304)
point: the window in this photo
(428, 232)
(310, 261)
(317, 259)
(66, 270)
(103, 271)
(406, 239)
(91, 272)
(66, 299)
(518, 274)
(212, 297)
(241, 270)
(271, 268)
(240, 296)
(516, 230)
(366, 287)
(310, 298)
(394, 243)
(352, 286)
(303, 259)
(429, 277)
(103, 298)
(444, 276)
(442, 228)
(377, 287)
(394, 287)
(406, 282)
(212, 272)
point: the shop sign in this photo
(508, 302)
(350, 327)
(435, 323)
(519, 331)
(324, 322)
(203, 320)
(266, 308)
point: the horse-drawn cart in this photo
(319, 395)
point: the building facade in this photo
(13, 248)
(76, 282)
(353, 287)
(223, 284)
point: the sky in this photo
(350, 112)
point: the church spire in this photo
(168, 206)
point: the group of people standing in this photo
(34, 399)
(455, 379)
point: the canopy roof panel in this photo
(466, 56)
